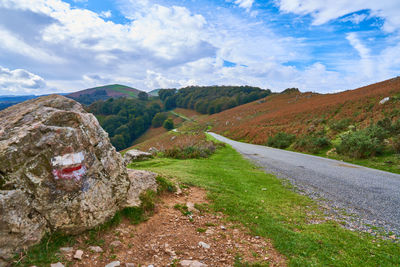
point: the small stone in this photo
(96, 249)
(113, 264)
(223, 227)
(264, 189)
(66, 249)
(190, 206)
(151, 265)
(78, 254)
(191, 263)
(257, 237)
(129, 265)
(209, 232)
(58, 264)
(204, 245)
(116, 243)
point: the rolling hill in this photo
(91, 95)
(300, 113)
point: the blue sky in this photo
(49, 46)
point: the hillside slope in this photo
(305, 113)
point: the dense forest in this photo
(125, 119)
(210, 99)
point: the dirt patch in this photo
(173, 234)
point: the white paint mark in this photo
(68, 159)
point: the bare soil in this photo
(170, 236)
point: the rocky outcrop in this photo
(140, 182)
(58, 171)
(135, 154)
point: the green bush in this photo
(311, 143)
(396, 143)
(281, 140)
(159, 119)
(168, 124)
(340, 125)
(362, 144)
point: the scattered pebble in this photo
(129, 265)
(113, 264)
(190, 263)
(58, 264)
(209, 232)
(223, 227)
(204, 245)
(264, 189)
(78, 254)
(116, 243)
(67, 249)
(96, 249)
(190, 206)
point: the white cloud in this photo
(355, 18)
(20, 81)
(324, 11)
(105, 14)
(246, 4)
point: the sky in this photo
(54, 46)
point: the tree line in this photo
(210, 99)
(125, 119)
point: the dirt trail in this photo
(170, 236)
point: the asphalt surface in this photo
(373, 195)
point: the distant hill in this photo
(8, 101)
(91, 95)
(154, 92)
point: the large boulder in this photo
(58, 172)
(135, 154)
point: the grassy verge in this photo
(386, 162)
(260, 201)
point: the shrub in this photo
(168, 124)
(281, 140)
(340, 125)
(360, 144)
(313, 144)
(159, 119)
(396, 143)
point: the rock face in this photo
(140, 182)
(58, 171)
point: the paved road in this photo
(373, 194)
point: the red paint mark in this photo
(71, 169)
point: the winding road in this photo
(372, 194)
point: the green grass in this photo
(235, 188)
(122, 89)
(180, 115)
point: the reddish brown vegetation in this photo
(304, 113)
(187, 112)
